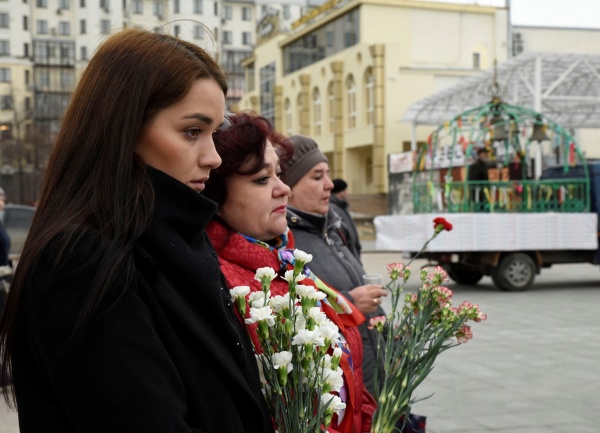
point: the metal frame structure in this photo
(564, 87)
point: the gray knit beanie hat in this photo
(306, 156)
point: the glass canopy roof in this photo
(564, 87)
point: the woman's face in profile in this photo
(312, 192)
(179, 139)
(256, 204)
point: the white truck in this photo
(525, 224)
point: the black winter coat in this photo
(165, 353)
(334, 263)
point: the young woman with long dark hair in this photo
(118, 319)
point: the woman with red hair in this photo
(250, 232)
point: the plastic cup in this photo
(373, 279)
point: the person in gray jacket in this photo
(339, 202)
(316, 228)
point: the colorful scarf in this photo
(287, 261)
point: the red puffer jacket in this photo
(239, 261)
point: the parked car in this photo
(17, 220)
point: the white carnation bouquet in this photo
(299, 353)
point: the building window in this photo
(267, 91)
(227, 37)
(6, 102)
(105, 4)
(198, 6)
(198, 32)
(288, 117)
(246, 14)
(83, 53)
(137, 7)
(322, 42)
(176, 7)
(351, 89)
(286, 12)
(67, 53)
(64, 28)
(25, 22)
(42, 27)
(42, 78)
(317, 110)
(64, 4)
(5, 75)
(158, 9)
(299, 109)
(82, 27)
(104, 27)
(66, 79)
(4, 48)
(177, 31)
(331, 103)
(81, 3)
(247, 38)
(4, 21)
(369, 97)
(27, 76)
(25, 49)
(476, 60)
(41, 3)
(227, 14)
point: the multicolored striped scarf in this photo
(287, 261)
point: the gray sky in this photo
(551, 13)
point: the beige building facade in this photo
(346, 75)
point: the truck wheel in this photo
(464, 276)
(515, 272)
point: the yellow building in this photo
(346, 73)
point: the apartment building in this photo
(44, 44)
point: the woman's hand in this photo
(368, 297)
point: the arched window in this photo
(331, 101)
(369, 97)
(317, 110)
(299, 108)
(288, 117)
(351, 89)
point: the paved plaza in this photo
(532, 367)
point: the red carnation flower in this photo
(440, 224)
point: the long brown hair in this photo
(94, 183)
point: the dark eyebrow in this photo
(200, 117)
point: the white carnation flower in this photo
(309, 292)
(329, 333)
(337, 352)
(282, 359)
(335, 403)
(317, 315)
(289, 276)
(334, 378)
(304, 336)
(280, 303)
(257, 299)
(301, 255)
(300, 319)
(239, 291)
(261, 314)
(326, 361)
(266, 272)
